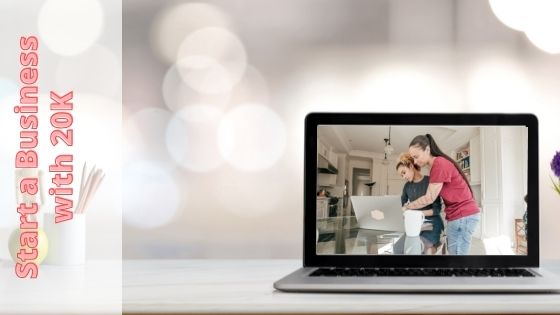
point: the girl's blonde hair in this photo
(406, 160)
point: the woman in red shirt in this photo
(448, 181)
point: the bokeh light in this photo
(174, 23)
(151, 196)
(211, 60)
(252, 88)
(537, 18)
(177, 94)
(543, 30)
(144, 135)
(68, 27)
(513, 13)
(75, 72)
(251, 137)
(191, 138)
(98, 121)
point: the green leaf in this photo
(556, 185)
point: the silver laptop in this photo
(378, 212)
(343, 253)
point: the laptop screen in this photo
(421, 190)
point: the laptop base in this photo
(300, 281)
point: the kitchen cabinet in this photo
(333, 158)
(327, 152)
(322, 207)
(326, 155)
(322, 149)
(326, 180)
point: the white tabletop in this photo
(94, 288)
(245, 286)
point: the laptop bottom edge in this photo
(300, 281)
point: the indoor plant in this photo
(555, 166)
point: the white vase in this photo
(67, 240)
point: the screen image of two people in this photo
(445, 183)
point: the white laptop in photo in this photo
(378, 212)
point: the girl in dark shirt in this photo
(415, 187)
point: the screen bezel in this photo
(310, 257)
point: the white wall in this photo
(504, 179)
(514, 161)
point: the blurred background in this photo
(215, 94)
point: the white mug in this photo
(413, 220)
(67, 240)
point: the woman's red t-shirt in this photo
(455, 193)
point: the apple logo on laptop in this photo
(377, 215)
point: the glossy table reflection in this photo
(341, 235)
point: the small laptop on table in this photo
(498, 153)
(389, 207)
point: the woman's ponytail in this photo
(427, 140)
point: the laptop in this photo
(497, 155)
(378, 212)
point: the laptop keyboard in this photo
(421, 272)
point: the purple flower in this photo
(555, 164)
